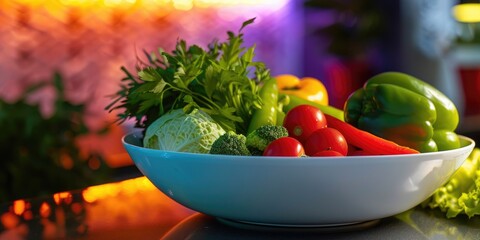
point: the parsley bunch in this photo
(217, 80)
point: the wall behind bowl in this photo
(436, 48)
(88, 41)
(347, 42)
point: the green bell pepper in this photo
(406, 110)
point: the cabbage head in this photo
(183, 132)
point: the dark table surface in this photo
(135, 209)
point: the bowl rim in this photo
(470, 144)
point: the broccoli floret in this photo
(230, 143)
(255, 151)
(259, 139)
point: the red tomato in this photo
(326, 139)
(303, 120)
(327, 153)
(284, 146)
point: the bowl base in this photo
(337, 227)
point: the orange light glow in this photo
(78, 3)
(9, 220)
(63, 197)
(184, 5)
(127, 187)
(66, 161)
(28, 215)
(94, 163)
(76, 208)
(19, 207)
(45, 210)
(119, 3)
(177, 4)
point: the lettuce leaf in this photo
(461, 194)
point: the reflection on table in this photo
(136, 209)
(109, 211)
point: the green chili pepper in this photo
(267, 114)
(406, 110)
(295, 101)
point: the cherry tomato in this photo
(284, 146)
(326, 139)
(327, 153)
(303, 120)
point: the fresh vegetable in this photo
(354, 151)
(306, 88)
(303, 120)
(222, 81)
(259, 139)
(460, 195)
(326, 139)
(284, 147)
(406, 110)
(230, 143)
(267, 114)
(327, 153)
(296, 101)
(367, 141)
(183, 132)
(445, 139)
(282, 101)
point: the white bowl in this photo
(283, 191)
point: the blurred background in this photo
(60, 60)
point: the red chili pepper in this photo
(359, 152)
(367, 141)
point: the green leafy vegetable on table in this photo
(461, 194)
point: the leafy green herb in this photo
(222, 80)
